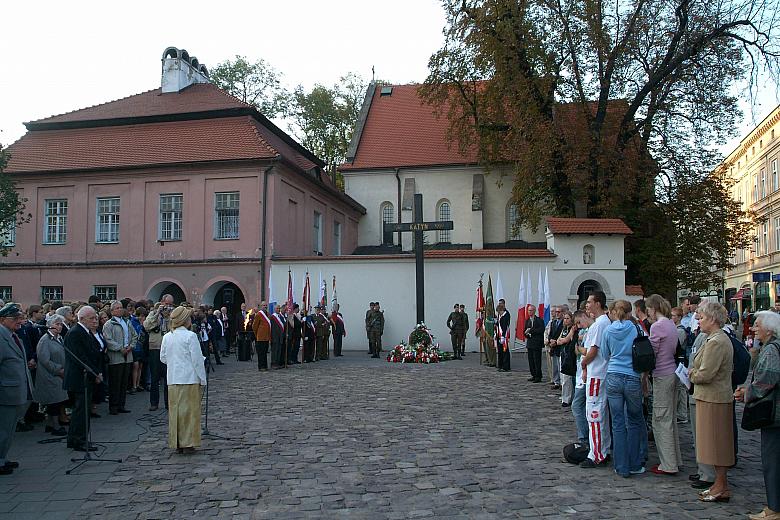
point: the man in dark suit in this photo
(278, 338)
(337, 321)
(553, 353)
(294, 333)
(503, 320)
(82, 343)
(534, 333)
(17, 386)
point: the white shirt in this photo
(595, 339)
(180, 350)
(578, 382)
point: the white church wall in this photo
(447, 281)
(371, 189)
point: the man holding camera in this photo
(157, 324)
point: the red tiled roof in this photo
(435, 253)
(139, 145)
(588, 226)
(200, 97)
(634, 290)
(401, 130)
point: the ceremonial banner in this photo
(335, 299)
(480, 305)
(490, 310)
(306, 300)
(540, 294)
(271, 299)
(521, 310)
(289, 291)
(546, 314)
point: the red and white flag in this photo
(521, 310)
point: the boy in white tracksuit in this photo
(595, 367)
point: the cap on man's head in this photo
(11, 310)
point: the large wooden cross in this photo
(418, 227)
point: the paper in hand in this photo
(682, 374)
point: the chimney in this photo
(179, 70)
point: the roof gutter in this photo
(263, 237)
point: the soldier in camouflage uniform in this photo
(375, 326)
(457, 330)
(322, 332)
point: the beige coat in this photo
(711, 370)
(115, 338)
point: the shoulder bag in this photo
(761, 412)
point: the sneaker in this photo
(638, 471)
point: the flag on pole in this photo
(479, 305)
(546, 314)
(306, 300)
(271, 299)
(499, 288)
(521, 310)
(335, 299)
(289, 290)
(323, 292)
(490, 310)
(540, 294)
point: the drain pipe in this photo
(398, 201)
(263, 284)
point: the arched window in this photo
(443, 213)
(588, 254)
(388, 216)
(512, 229)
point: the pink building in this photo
(182, 189)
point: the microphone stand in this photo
(87, 457)
(205, 432)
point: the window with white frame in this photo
(226, 215)
(764, 238)
(777, 233)
(317, 233)
(774, 175)
(51, 292)
(755, 189)
(443, 213)
(170, 216)
(106, 293)
(388, 217)
(8, 234)
(336, 238)
(107, 220)
(55, 221)
(763, 183)
(6, 293)
(512, 229)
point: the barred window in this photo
(317, 233)
(512, 229)
(226, 215)
(6, 293)
(51, 292)
(8, 234)
(388, 217)
(443, 213)
(106, 293)
(336, 238)
(107, 221)
(170, 216)
(56, 221)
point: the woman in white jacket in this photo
(181, 353)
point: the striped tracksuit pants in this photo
(597, 413)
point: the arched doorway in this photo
(166, 287)
(585, 289)
(229, 295)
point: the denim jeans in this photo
(578, 411)
(624, 395)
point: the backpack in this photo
(690, 337)
(642, 353)
(575, 453)
(741, 361)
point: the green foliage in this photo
(324, 118)
(256, 83)
(610, 109)
(11, 204)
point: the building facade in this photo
(754, 282)
(182, 189)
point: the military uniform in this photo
(375, 326)
(465, 318)
(457, 332)
(322, 331)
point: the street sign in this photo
(418, 226)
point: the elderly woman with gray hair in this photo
(710, 372)
(765, 381)
(51, 372)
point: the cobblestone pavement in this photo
(356, 437)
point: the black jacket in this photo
(535, 336)
(84, 346)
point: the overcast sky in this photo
(60, 56)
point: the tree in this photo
(11, 206)
(323, 119)
(609, 109)
(257, 84)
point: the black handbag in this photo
(762, 412)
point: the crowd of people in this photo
(594, 359)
